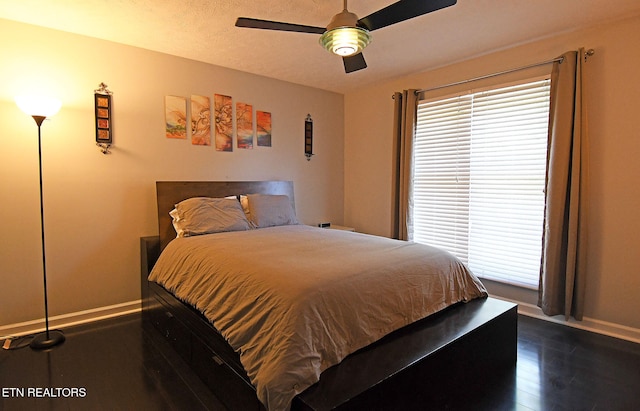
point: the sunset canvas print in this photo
(263, 128)
(244, 125)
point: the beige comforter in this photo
(295, 300)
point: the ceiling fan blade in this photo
(354, 63)
(402, 10)
(276, 25)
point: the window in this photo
(479, 174)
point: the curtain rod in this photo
(588, 53)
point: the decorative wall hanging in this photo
(244, 125)
(200, 121)
(223, 122)
(175, 117)
(104, 121)
(263, 120)
(308, 137)
(179, 120)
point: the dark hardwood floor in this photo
(121, 365)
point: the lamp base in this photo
(45, 340)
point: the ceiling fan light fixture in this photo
(345, 41)
(346, 35)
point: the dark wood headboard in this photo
(169, 193)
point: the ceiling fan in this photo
(346, 35)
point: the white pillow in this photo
(175, 220)
(244, 202)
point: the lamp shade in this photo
(345, 41)
(38, 105)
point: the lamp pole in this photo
(48, 338)
(39, 108)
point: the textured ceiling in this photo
(204, 30)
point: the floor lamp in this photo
(40, 108)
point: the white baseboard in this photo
(67, 320)
(81, 317)
(589, 324)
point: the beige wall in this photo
(97, 206)
(614, 104)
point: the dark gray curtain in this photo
(563, 270)
(404, 120)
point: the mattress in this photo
(294, 300)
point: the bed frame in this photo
(426, 362)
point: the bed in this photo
(399, 363)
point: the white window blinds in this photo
(479, 171)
